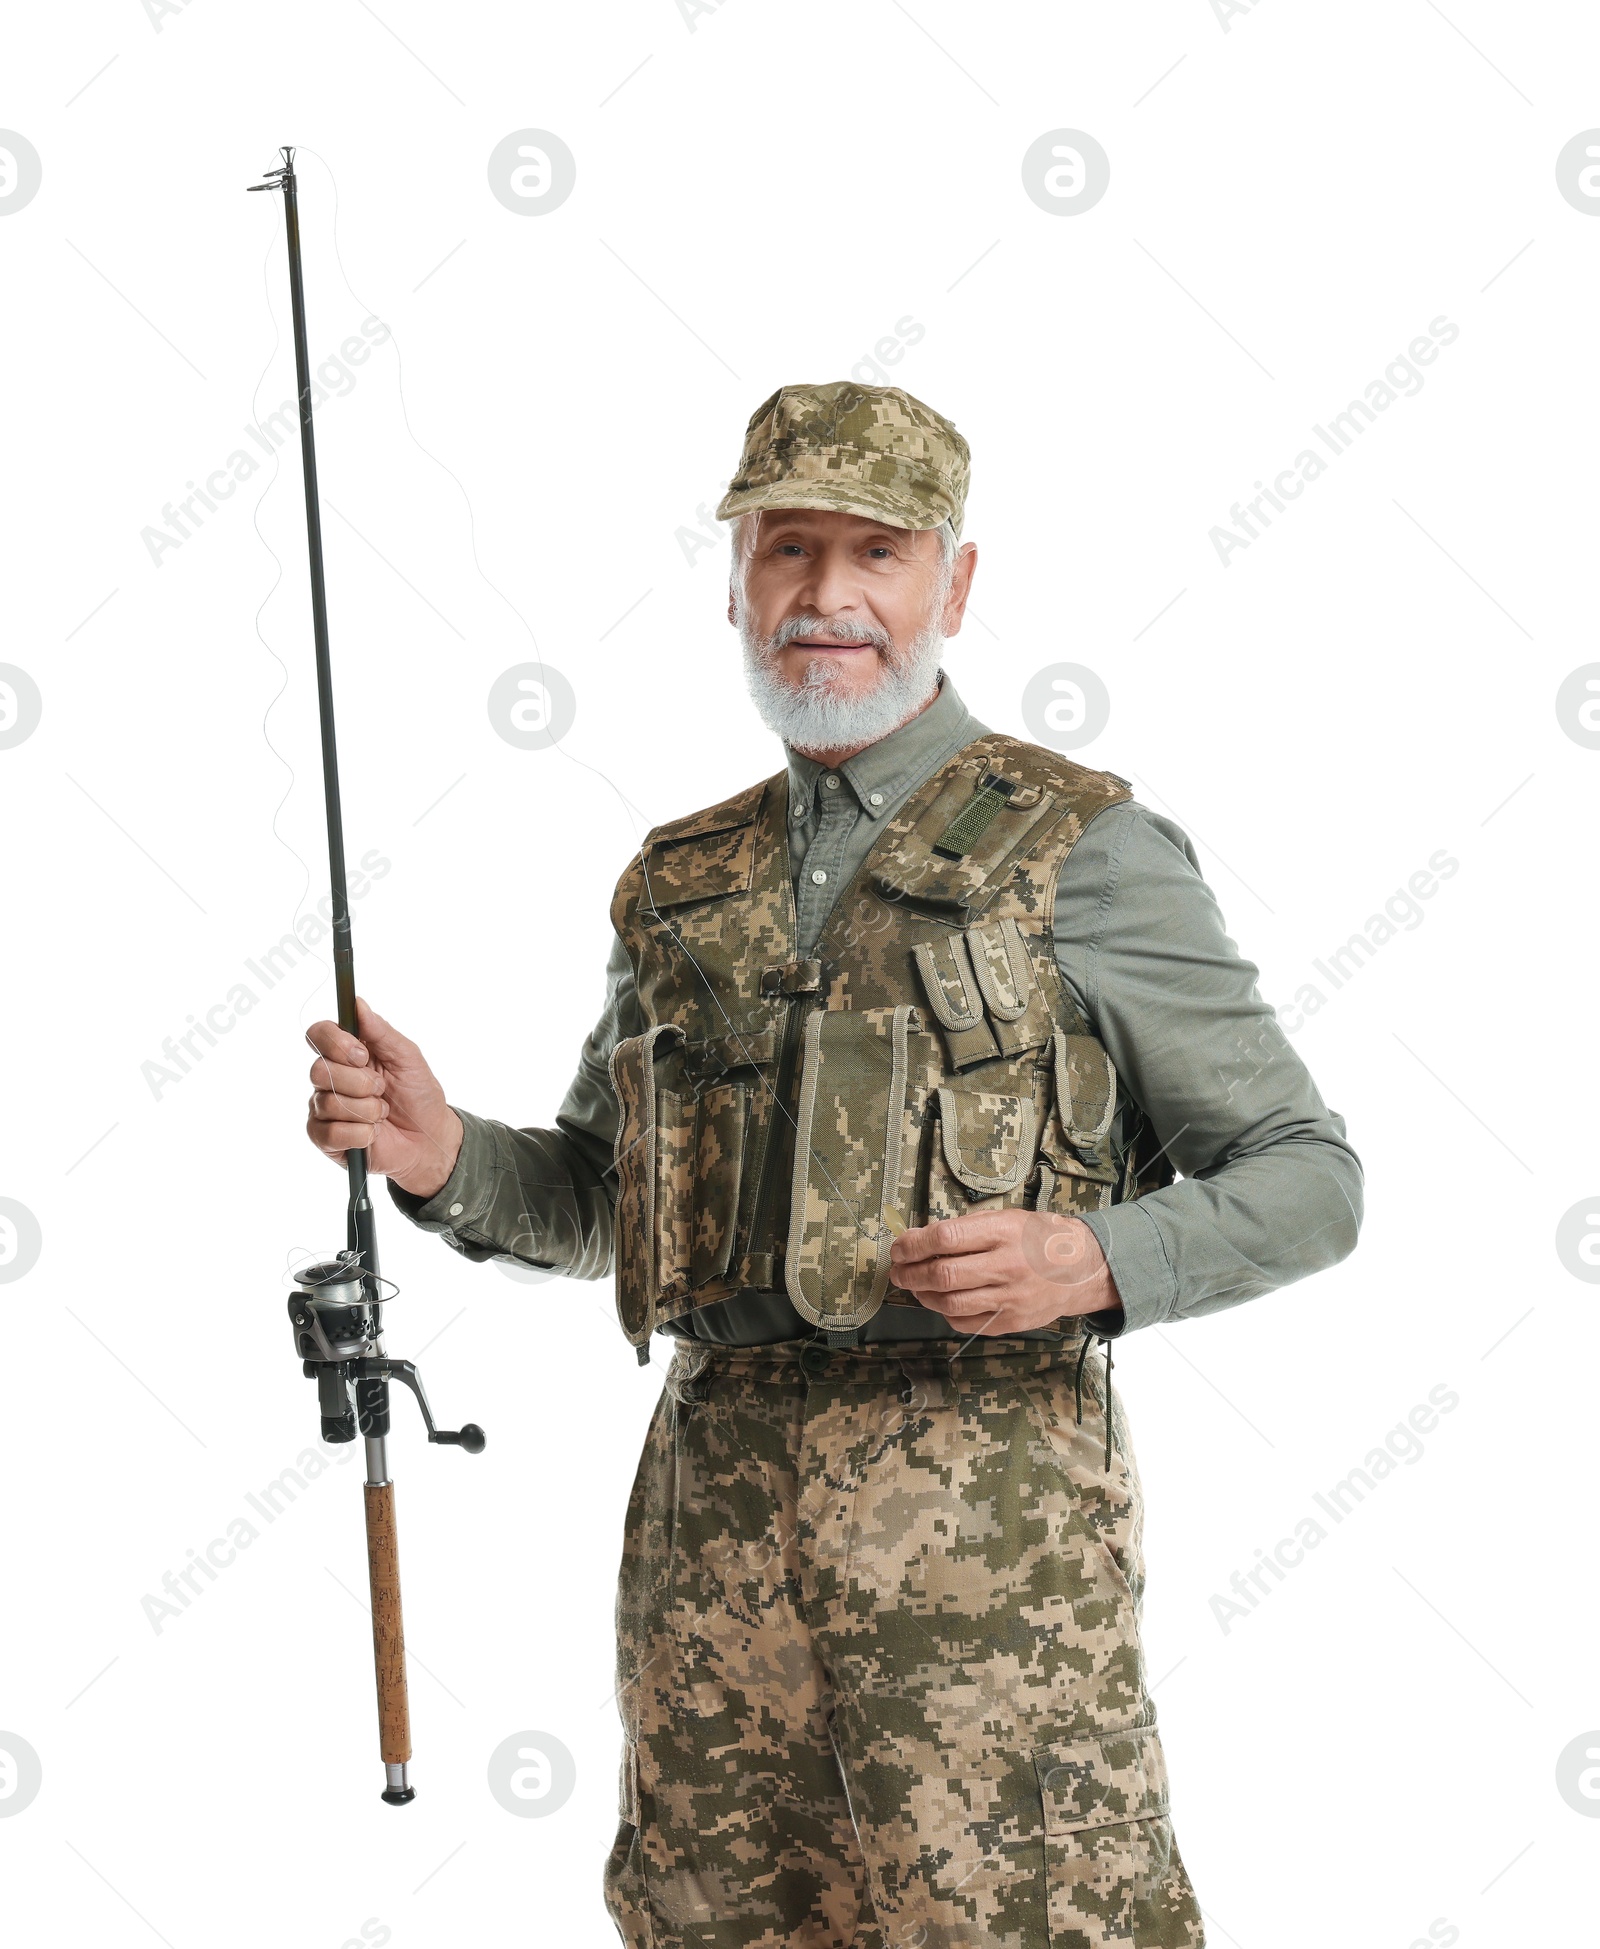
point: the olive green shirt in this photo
(1269, 1189)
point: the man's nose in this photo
(830, 589)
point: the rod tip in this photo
(398, 1796)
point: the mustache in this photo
(842, 629)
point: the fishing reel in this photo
(336, 1311)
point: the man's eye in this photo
(790, 548)
(881, 554)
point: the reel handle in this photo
(469, 1436)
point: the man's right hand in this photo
(378, 1094)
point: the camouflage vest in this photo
(782, 1119)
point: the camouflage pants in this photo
(878, 1661)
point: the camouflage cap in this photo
(851, 449)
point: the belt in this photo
(757, 1319)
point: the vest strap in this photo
(975, 817)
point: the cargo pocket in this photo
(1079, 1163)
(627, 1896)
(1112, 1869)
(652, 1162)
(847, 1149)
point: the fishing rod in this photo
(337, 1306)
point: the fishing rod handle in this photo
(388, 1639)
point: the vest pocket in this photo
(937, 865)
(949, 982)
(652, 1161)
(1019, 1017)
(988, 1138)
(1086, 1089)
(1079, 1159)
(719, 1127)
(980, 987)
(983, 1146)
(674, 1191)
(700, 866)
(847, 1162)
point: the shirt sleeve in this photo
(1269, 1189)
(542, 1197)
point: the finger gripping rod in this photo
(336, 1309)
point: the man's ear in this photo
(960, 587)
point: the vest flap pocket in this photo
(989, 1137)
(1086, 1101)
(1000, 967)
(651, 1163)
(975, 825)
(1079, 1162)
(1003, 970)
(699, 866)
(944, 968)
(1108, 1778)
(718, 1166)
(848, 1134)
(674, 1191)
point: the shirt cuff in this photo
(1137, 1256)
(463, 1201)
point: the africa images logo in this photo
(1400, 379)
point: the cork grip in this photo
(388, 1633)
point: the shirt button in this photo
(819, 878)
(456, 1210)
(797, 812)
(831, 782)
(875, 798)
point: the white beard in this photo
(819, 713)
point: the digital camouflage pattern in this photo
(850, 1127)
(879, 1665)
(930, 1056)
(852, 449)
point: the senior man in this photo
(901, 1053)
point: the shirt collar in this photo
(883, 774)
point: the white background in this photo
(764, 192)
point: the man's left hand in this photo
(1005, 1271)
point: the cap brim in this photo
(832, 497)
